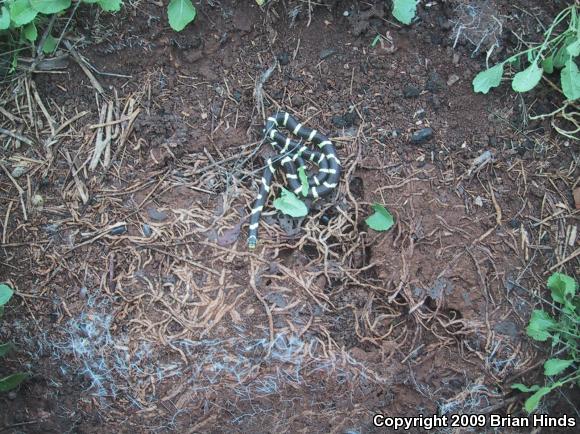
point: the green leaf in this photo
(574, 48)
(12, 381)
(6, 348)
(22, 13)
(570, 81)
(532, 402)
(49, 44)
(523, 388)
(405, 10)
(289, 204)
(541, 323)
(562, 54)
(110, 5)
(487, 79)
(4, 18)
(50, 6)
(527, 79)
(556, 366)
(548, 64)
(381, 220)
(562, 287)
(5, 294)
(90, 1)
(303, 180)
(30, 32)
(180, 14)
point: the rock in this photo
(345, 121)
(326, 53)
(237, 95)
(18, 171)
(338, 121)
(147, 231)
(422, 135)
(453, 78)
(37, 200)
(435, 83)
(284, 58)
(410, 91)
(507, 328)
(12, 395)
(395, 133)
(156, 215)
(119, 230)
(456, 59)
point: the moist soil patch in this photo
(139, 307)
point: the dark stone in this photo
(435, 83)
(326, 53)
(436, 39)
(422, 135)
(410, 91)
(147, 231)
(237, 95)
(119, 230)
(514, 223)
(507, 328)
(284, 58)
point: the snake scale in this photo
(292, 153)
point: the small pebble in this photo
(119, 230)
(12, 395)
(147, 230)
(422, 135)
(435, 83)
(453, 78)
(18, 171)
(37, 200)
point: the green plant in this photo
(180, 14)
(289, 204)
(405, 10)
(381, 220)
(563, 331)
(11, 381)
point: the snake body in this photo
(292, 153)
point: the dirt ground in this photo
(139, 307)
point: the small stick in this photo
(17, 136)
(6, 222)
(83, 66)
(563, 261)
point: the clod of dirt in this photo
(156, 215)
(361, 21)
(345, 121)
(283, 58)
(435, 83)
(410, 91)
(327, 52)
(422, 135)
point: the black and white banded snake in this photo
(291, 152)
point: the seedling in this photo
(563, 331)
(11, 381)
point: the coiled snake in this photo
(290, 153)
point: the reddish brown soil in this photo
(427, 317)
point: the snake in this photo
(292, 153)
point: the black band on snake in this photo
(293, 152)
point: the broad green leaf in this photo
(180, 14)
(4, 18)
(562, 54)
(405, 10)
(556, 366)
(523, 388)
(562, 287)
(12, 381)
(381, 220)
(30, 32)
(289, 204)
(527, 79)
(548, 64)
(5, 294)
(49, 44)
(487, 79)
(90, 1)
(22, 13)
(50, 6)
(570, 81)
(574, 48)
(261, 2)
(110, 5)
(6, 348)
(541, 323)
(533, 401)
(303, 180)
